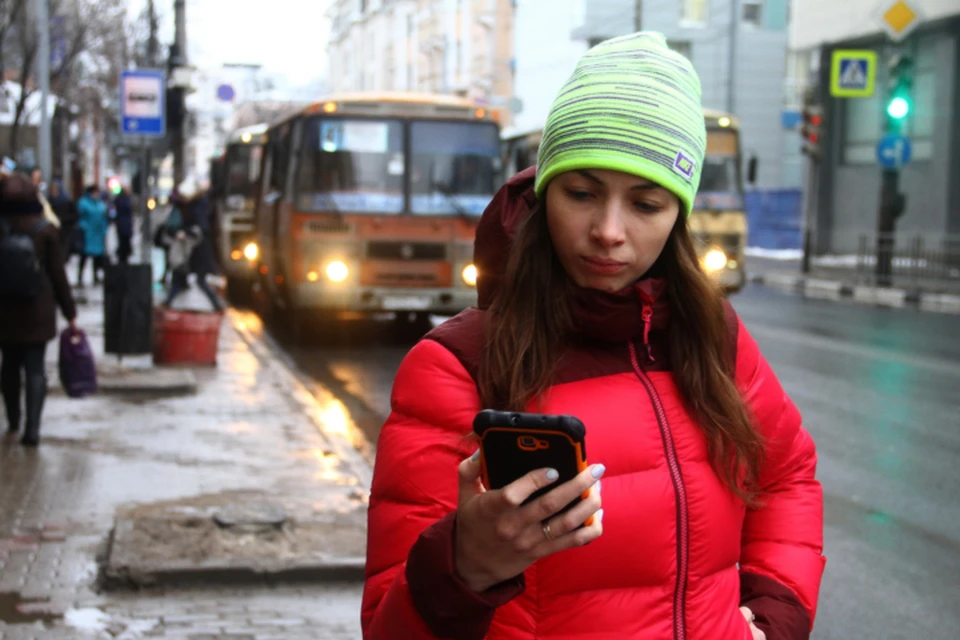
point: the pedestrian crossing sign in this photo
(853, 73)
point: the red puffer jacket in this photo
(679, 554)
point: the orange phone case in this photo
(513, 444)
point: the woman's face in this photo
(608, 227)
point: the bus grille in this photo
(729, 243)
(410, 279)
(406, 251)
(327, 226)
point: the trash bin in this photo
(186, 337)
(128, 309)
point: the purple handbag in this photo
(78, 372)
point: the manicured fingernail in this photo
(552, 474)
(599, 487)
(597, 470)
(475, 456)
(599, 516)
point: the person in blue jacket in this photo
(93, 223)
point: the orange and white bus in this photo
(369, 202)
(234, 199)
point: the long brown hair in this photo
(529, 318)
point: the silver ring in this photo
(546, 532)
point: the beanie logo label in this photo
(683, 165)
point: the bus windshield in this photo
(351, 165)
(242, 164)
(454, 166)
(719, 184)
(719, 175)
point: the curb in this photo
(342, 571)
(151, 382)
(891, 297)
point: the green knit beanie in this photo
(631, 105)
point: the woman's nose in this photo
(608, 228)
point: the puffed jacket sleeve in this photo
(781, 556)
(412, 590)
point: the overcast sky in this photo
(288, 37)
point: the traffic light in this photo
(899, 92)
(811, 129)
(113, 184)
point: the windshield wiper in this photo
(446, 192)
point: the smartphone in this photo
(513, 444)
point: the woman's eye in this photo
(647, 207)
(579, 195)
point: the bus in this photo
(718, 221)
(369, 203)
(234, 190)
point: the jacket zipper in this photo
(680, 491)
(646, 314)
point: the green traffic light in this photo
(898, 108)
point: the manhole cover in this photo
(254, 516)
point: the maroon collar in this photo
(628, 314)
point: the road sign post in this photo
(143, 114)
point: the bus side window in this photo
(289, 179)
(281, 157)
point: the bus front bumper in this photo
(329, 297)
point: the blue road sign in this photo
(893, 151)
(226, 93)
(142, 102)
(853, 73)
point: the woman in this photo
(183, 236)
(591, 303)
(66, 211)
(94, 222)
(27, 324)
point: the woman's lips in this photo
(604, 266)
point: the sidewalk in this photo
(836, 283)
(212, 492)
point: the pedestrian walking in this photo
(33, 283)
(66, 210)
(123, 220)
(184, 238)
(36, 177)
(93, 223)
(592, 303)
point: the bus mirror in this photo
(752, 170)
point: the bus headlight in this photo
(236, 254)
(337, 271)
(715, 260)
(251, 251)
(470, 275)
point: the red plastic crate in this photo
(185, 337)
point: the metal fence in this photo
(888, 258)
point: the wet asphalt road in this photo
(879, 390)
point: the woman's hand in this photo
(757, 633)
(497, 538)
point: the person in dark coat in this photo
(26, 326)
(66, 211)
(187, 238)
(124, 222)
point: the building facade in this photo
(737, 46)
(845, 202)
(461, 47)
